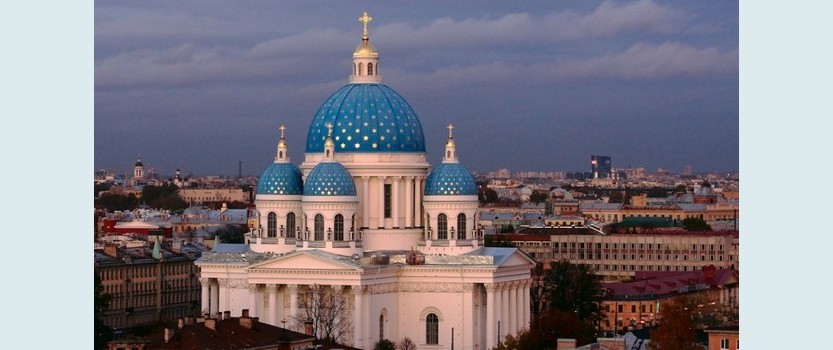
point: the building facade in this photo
(365, 219)
(620, 256)
(146, 284)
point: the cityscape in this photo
(372, 226)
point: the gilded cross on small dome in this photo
(450, 128)
(329, 129)
(283, 129)
(365, 19)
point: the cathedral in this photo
(365, 240)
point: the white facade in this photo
(408, 261)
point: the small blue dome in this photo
(366, 118)
(449, 179)
(329, 179)
(281, 178)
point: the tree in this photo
(231, 233)
(384, 344)
(676, 330)
(574, 289)
(406, 344)
(101, 302)
(538, 196)
(488, 195)
(327, 311)
(696, 224)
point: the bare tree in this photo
(406, 344)
(326, 309)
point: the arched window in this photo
(290, 225)
(461, 226)
(442, 227)
(338, 225)
(376, 69)
(361, 67)
(319, 227)
(370, 69)
(354, 69)
(432, 329)
(381, 327)
(272, 225)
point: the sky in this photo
(533, 85)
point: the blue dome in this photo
(281, 178)
(366, 118)
(329, 179)
(449, 179)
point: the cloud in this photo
(646, 61)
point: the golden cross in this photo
(329, 129)
(450, 129)
(365, 18)
(283, 128)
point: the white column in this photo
(381, 203)
(215, 298)
(504, 313)
(512, 305)
(467, 330)
(293, 301)
(409, 201)
(358, 313)
(418, 202)
(204, 298)
(253, 300)
(394, 200)
(272, 311)
(222, 295)
(526, 306)
(365, 201)
(491, 320)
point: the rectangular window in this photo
(724, 344)
(387, 201)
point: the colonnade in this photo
(507, 309)
(405, 201)
(276, 313)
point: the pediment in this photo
(517, 258)
(303, 261)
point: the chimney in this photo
(612, 343)
(226, 315)
(180, 322)
(218, 315)
(566, 344)
(308, 328)
(244, 313)
(211, 324)
(189, 320)
(169, 333)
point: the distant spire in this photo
(450, 147)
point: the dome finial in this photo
(365, 57)
(329, 145)
(365, 19)
(283, 149)
(450, 147)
